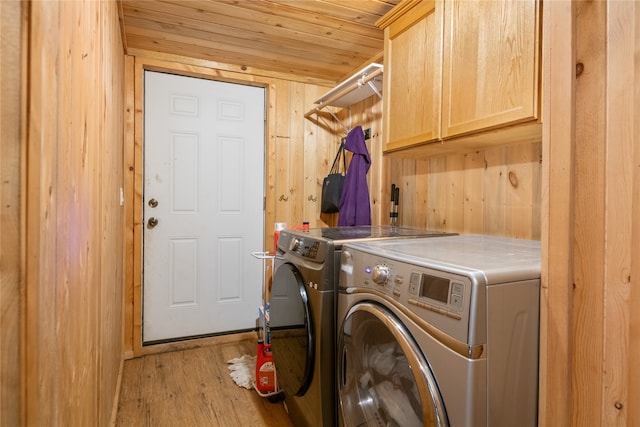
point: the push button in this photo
(413, 283)
(456, 300)
(457, 288)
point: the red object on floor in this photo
(265, 369)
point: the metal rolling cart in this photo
(266, 382)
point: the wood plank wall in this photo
(606, 336)
(11, 243)
(557, 215)
(590, 334)
(494, 191)
(70, 338)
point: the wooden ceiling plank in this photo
(264, 49)
(378, 7)
(242, 55)
(227, 70)
(353, 11)
(186, 25)
(176, 48)
(319, 23)
(247, 15)
(322, 39)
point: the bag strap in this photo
(335, 169)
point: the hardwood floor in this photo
(193, 388)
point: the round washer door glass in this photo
(383, 379)
(292, 343)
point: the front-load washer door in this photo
(291, 326)
(383, 378)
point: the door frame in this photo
(221, 212)
(134, 184)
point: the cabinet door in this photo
(491, 64)
(412, 76)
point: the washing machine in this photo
(302, 314)
(439, 332)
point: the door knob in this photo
(152, 222)
(153, 203)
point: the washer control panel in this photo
(440, 297)
(436, 293)
(305, 247)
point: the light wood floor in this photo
(193, 388)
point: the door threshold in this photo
(196, 342)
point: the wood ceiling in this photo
(320, 39)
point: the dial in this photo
(294, 244)
(380, 274)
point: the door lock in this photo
(152, 222)
(153, 203)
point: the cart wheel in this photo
(276, 398)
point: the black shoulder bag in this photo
(333, 183)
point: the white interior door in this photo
(203, 206)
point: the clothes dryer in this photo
(439, 332)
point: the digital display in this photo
(433, 287)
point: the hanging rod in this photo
(366, 79)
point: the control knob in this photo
(380, 274)
(294, 244)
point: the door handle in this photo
(152, 222)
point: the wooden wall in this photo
(590, 331)
(11, 242)
(494, 191)
(62, 340)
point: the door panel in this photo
(491, 63)
(383, 378)
(291, 330)
(203, 206)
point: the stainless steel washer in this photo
(303, 314)
(439, 332)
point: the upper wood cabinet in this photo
(491, 64)
(412, 76)
(463, 73)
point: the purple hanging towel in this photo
(355, 208)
